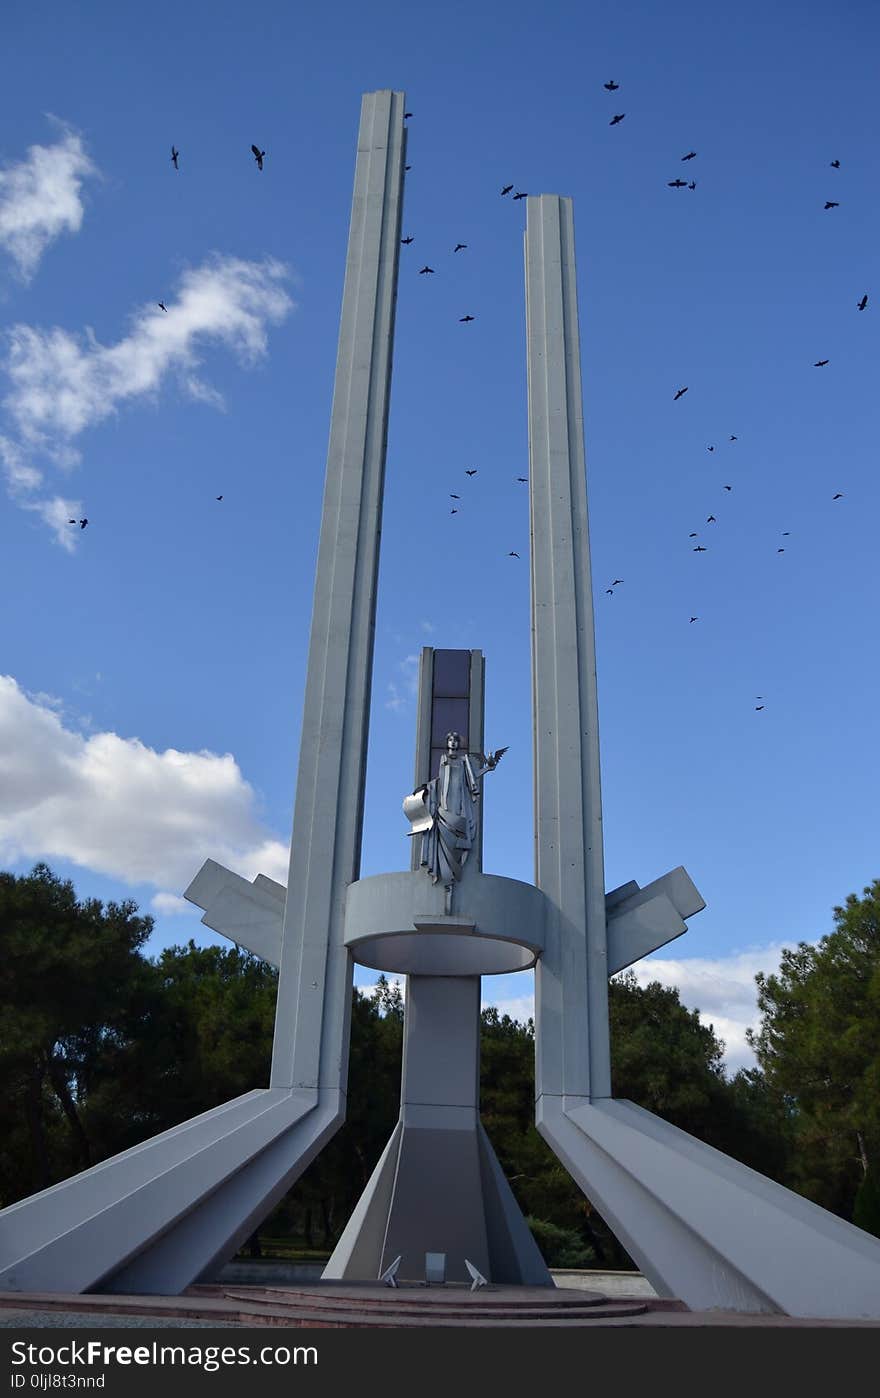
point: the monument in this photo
(170, 1211)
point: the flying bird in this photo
(831, 204)
(616, 581)
(473, 472)
(522, 479)
(677, 184)
(609, 592)
(820, 363)
(700, 549)
(258, 156)
(612, 86)
(695, 618)
(507, 188)
(863, 303)
(727, 487)
(462, 320)
(453, 496)
(162, 306)
(786, 533)
(512, 554)
(678, 394)
(734, 439)
(407, 167)
(218, 497)
(711, 520)
(692, 185)
(453, 511)
(838, 496)
(406, 241)
(710, 448)
(690, 155)
(83, 523)
(459, 247)
(71, 521)
(174, 154)
(780, 550)
(407, 114)
(523, 194)
(615, 119)
(835, 164)
(758, 708)
(423, 270)
(694, 535)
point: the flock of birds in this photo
(711, 519)
(508, 189)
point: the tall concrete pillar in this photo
(571, 1028)
(314, 993)
(701, 1226)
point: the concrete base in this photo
(704, 1228)
(157, 1217)
(438, 1191)
(438, 1186)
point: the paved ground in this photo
(76, 1320)
(616, 1284)
(214, 1306)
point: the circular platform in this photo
(404, 924)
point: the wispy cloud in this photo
(40, 198)
(403, 689)
(60, 384)
(119, 807)
(170, 905)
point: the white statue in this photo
(444, 811)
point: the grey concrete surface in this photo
(77, 1320)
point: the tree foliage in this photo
(819, 1047)
(73, 987)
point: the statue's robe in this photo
(451, 799)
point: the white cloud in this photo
(405, 688)
(62, 516)
(40, 199)
(19, 474)
(722, 989)
(170, 905)
(394, 983)
(121, 808)
(60, 384)
(518, 1007)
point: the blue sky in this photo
(154, 660)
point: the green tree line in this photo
(102, 1047)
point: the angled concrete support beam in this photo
(250, 914)
(639, 920)
(706, 1229)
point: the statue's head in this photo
(453, 742)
